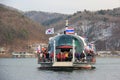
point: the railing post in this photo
(73, 51)
(54, 52)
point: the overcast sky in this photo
(62, 6)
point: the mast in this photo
(66, 25)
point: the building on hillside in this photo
(35, 46)
(2, 50)
(22, 54)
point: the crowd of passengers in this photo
(66, 55)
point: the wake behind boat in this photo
(67, 51)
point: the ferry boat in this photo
(67, 51)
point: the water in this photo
(27, 69)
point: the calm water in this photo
(27, 69)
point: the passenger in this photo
(38, 53)
(87, 49)
(59, 57)
(92, 53)
(89, 56)
(66, 55)
(70, 56)
(82, 57)
(47, 56)
(43, 49)
(40, 57)
(51, 56)
(44, 53)
(62, 57)
(77, 55)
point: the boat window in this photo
(68, 40)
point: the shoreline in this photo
(97, 56)
(108, 56)
(5, 56)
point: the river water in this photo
(27, 69)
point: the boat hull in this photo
(66, 66)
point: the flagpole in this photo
(66, 25)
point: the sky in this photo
(62, 6)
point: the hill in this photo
(17, 31)
(45, 18)
(101, 27)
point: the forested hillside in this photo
(101, 27)
(45, 18)
(17, 31)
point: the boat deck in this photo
(63, 64)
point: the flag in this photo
(38, 49)
(69, 30)
(49, 31)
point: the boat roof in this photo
(68, 35)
